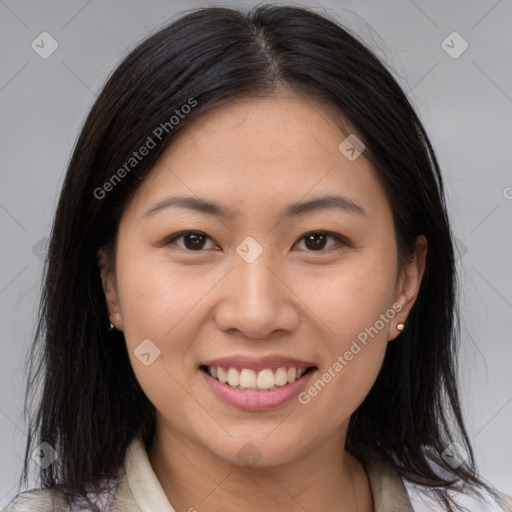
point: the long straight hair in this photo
(89, 405)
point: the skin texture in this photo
(256, 156)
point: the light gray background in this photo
(465, 103)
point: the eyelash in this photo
(341, 242)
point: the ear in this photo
(108, 282)
(409, 282)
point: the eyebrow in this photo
(292, 210)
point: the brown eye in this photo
(317, 240)
(192, 240)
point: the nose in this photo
(257, 302)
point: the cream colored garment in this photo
(140, 491)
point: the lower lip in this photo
(257, 400)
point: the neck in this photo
(194, 478)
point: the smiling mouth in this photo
(267, 379)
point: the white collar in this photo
(139, 488)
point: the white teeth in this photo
(247, 378)
(265, 380)
(221, 375)
(281, 376)
(233, 377)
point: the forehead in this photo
(282, 123)
(265, 151)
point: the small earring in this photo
(400, 326)
(111, 327)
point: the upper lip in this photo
(257, 363)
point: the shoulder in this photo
(37, 500)
(424, 500)
(50, 500)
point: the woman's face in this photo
(280, 256)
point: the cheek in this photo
(355, 309)
(336, 392)
(160, 310)
(156, 298)
(350, 299)
(355, 346)
(167, 307)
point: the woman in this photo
(250, 298)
